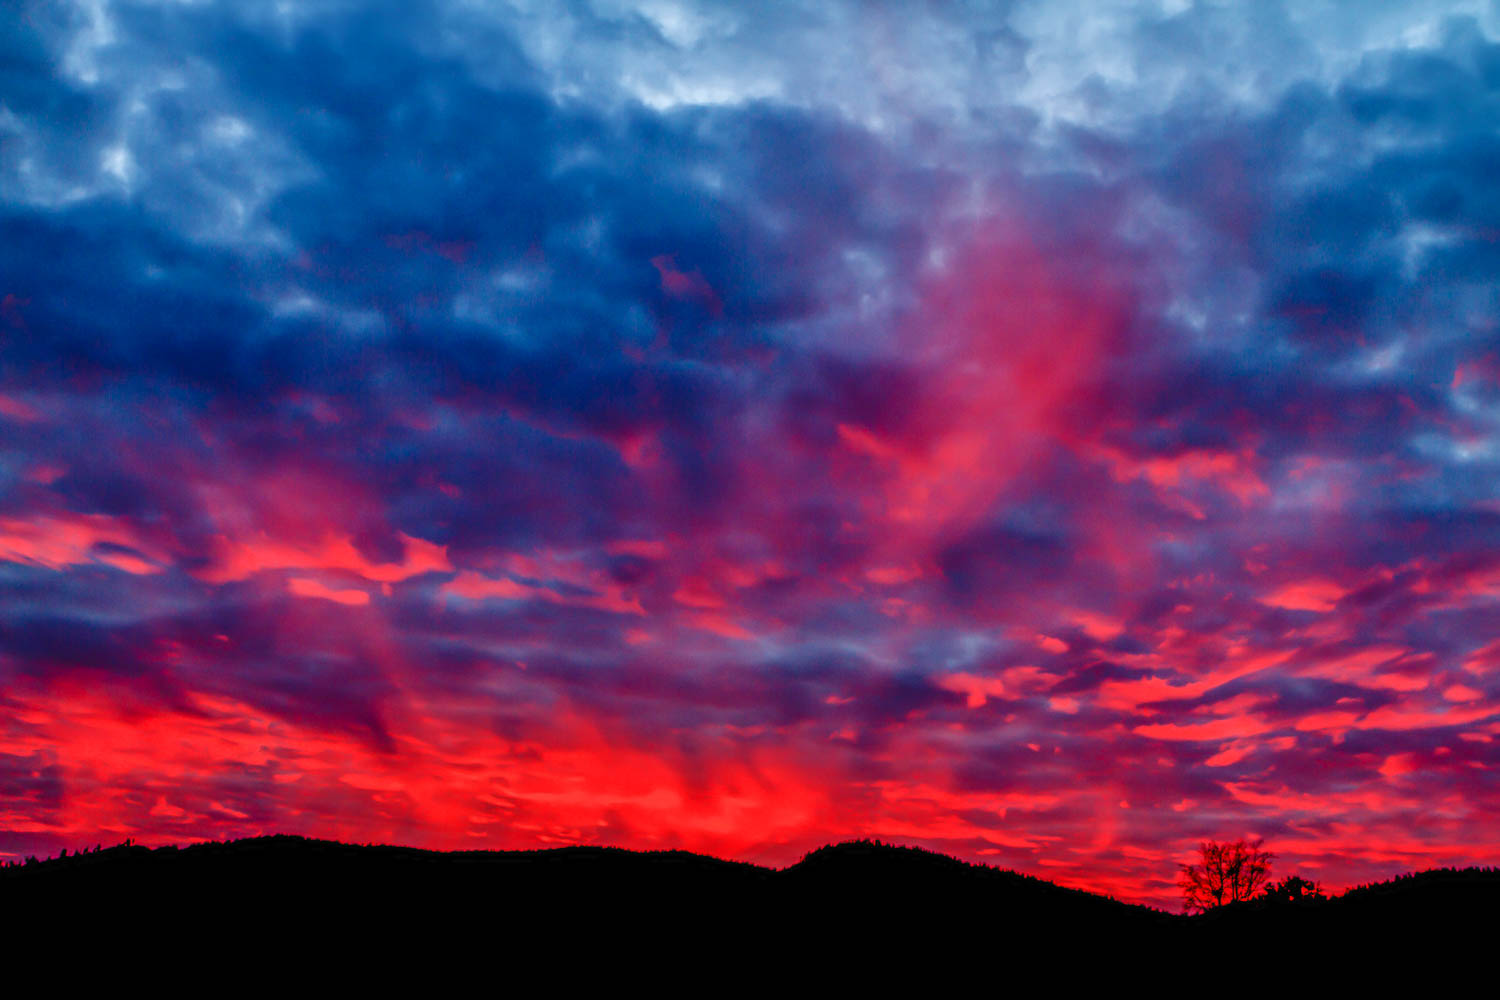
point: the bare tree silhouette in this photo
(1226, 873)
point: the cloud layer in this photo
(1048, 435)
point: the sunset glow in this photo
(1048, 433)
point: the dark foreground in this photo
(868, 906)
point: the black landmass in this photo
(878, 906)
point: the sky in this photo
(1052, 433)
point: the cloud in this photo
(1052, 435)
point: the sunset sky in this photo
(1051, 433)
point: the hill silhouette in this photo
(878, 903)
(854, 883)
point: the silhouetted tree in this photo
(1294, 889)
(1226, 873)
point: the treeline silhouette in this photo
(868, 901)
(857, 881)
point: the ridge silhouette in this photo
(882, 907)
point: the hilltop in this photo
(860, 890)
(882, 902)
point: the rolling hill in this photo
(879, 905)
